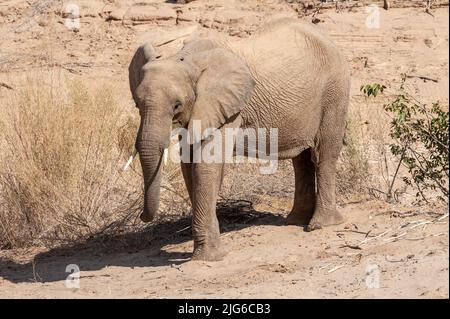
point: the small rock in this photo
(182, 1)
(428, 42)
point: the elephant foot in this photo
(208, 253)
(146, 218)
(299, 217)
(324, 218)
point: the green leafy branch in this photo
(421, 140)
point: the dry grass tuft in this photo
(353, 166)
(60, 175)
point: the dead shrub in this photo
(60, 166)
(353, 165)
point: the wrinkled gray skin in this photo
(287, 76)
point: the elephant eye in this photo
(177, 106)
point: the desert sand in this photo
(384, 250)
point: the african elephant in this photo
(287, 75)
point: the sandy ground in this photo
(383, 251)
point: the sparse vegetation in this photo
(420, 140)
(60, 177)
(353, 166)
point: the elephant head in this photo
(202, 82)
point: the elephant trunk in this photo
(150, 145)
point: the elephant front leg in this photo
(205, 226)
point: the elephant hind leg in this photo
(305, 190)
(325, 156)
(325, 213)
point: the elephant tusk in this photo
(165, 156)
(127, 165)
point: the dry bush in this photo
(353, 166)
(244, 181)
(60, 166)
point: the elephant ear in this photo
(144, 54)
(223, 88)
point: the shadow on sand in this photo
(138, 249)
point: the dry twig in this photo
(335, 268)
(7, 86)
(425, 78)
(347, 245)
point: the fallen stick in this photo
(393, 260)
(396, 213)
(9, 87)
(425, 78)
(334, 269)
(424, 237)
(427, 10)
(395, 237)
(179, 231)
(351, 231)
(323, 267)
(420, 224)
(346, 245)
(375, 237)
(410, 223)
